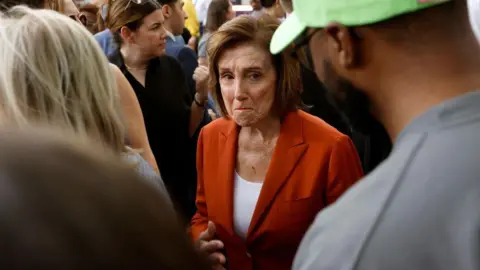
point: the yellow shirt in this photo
(191, 23)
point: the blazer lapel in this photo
(228, 150)
(288, 151)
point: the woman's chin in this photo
(244, 121)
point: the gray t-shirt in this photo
(202, 45)
(419, 210)
(147, 172)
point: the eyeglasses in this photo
(300, 50)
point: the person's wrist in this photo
(200, 99)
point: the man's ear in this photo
(166, 10)
(341, 44)
(126, 34)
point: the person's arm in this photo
(135, 125)
(344, 170)
(202, 61)
(197, 111)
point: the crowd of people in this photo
(176, 134)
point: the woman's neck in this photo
(133, 59)
(265, 130)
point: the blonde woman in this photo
(135, 125)
(55, 74)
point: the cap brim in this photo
(286, 33)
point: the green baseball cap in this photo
(319, 13)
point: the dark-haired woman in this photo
(172, 114)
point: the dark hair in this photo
(99, 25)
(246, 29)
(65, 207)
(167, 2)
(126, 13)
(268, 3)
(217, 14)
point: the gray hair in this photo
(55, 73)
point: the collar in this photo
(461, 109)
(171, 36)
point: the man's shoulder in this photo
(340, 231)
(180, 51)
(420, 185)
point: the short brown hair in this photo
(245, 29)
(217, 14)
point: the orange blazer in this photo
(311, 166)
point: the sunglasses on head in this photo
(136, 2)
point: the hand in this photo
(201, 80)
(192, 43)
(207, 244)
(212, 114)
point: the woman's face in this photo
(230, 13)
(247, 81)
(150, 37)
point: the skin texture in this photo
(175, 17)
(247, 81)
(149, 38)
(132, 113)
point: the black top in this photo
(165, 102)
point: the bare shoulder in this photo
(116, 71)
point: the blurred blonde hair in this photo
(55, 74)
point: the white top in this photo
(245, 197)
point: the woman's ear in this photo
(126, 34)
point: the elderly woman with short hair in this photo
(266, 168)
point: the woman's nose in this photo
(240, 93)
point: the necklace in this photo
(138, 69)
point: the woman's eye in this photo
(255, 76)
(226, 76)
